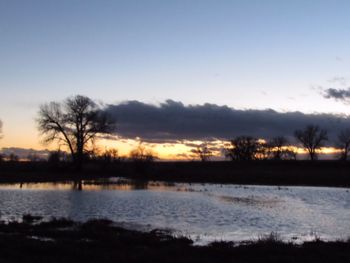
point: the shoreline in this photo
(62, 239)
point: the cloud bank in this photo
(171, 121)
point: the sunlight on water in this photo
(204, 212)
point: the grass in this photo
(62, 240)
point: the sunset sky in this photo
(165, 56)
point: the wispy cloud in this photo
(338, 80)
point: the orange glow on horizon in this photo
(177, 150)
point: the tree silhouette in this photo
(344, 143)
(279, 148)
(75, 122)
(13, 158)
(142, 154)
(243, 148)
(110, 155)
(203, 152)
(312, 139)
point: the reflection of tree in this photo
(312, 138)
(78, 185)
(139, 185)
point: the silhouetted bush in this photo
(312, 139)
(244, 148)
(203, 152)
(13, 158)
(54, 157)
(343, 143)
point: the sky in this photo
(272, 54)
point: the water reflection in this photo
(250, 200)
(206, 211)
(78, 185)
(95, 185)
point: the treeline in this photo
(311, 139)
(77, 122)
(138, 154)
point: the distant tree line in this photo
(247, 148)
(77, 122)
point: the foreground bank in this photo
(101, 241)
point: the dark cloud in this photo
(172, 121)
(337, 94)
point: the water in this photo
(204, 212)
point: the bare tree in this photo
(243, 148)
(344, 143)
(264, 150)
(142, 154)
(289, 153)
(277, 147)
(75, 123)
(111, 155)
(203, 152)
(312, 139)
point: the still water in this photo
(204, 212)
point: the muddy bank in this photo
(63, 240)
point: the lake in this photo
(204, 212)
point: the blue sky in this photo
(245, 54)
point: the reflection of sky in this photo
(246, 54)
(210, 211)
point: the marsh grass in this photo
(63, 240)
